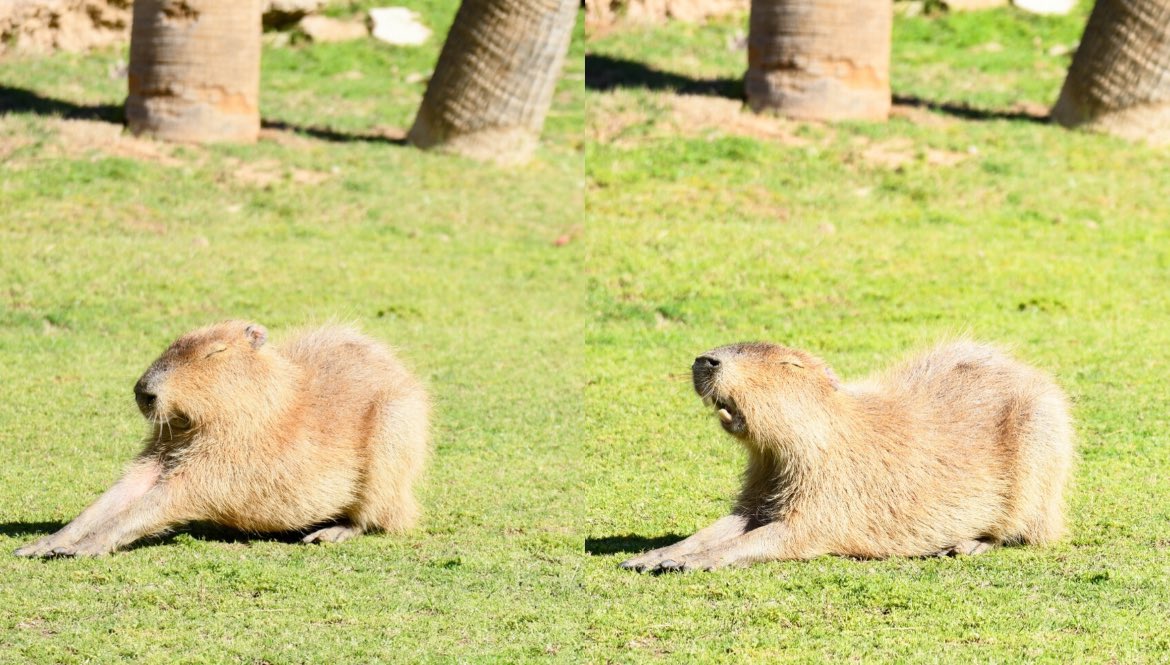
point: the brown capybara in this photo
(952, 452)
(329, 428)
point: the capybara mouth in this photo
(730, 417)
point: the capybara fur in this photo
(953, 452)
(328, 430)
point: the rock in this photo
(41, 26)
(399, 26)
(693, 11)
(973, 5)
(600, 14)
(1049, 7)
(323, 29)
(283, 14)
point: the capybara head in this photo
(207, 371)
(761, 391)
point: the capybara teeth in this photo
(725, 416)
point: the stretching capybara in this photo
(328, 428)
(955, 451)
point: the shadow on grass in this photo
(205, 531)
(333, 135)
(605, 73)
(20, 100)
(967, 112)
(216, 533)
(629, 543)
(28, 529)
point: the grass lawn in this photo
(110, 247)
(862, 242)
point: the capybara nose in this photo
(145, 398)
(702, 373)
(705, 363)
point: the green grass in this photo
(1053, 242)
(567, 436)
(106, 255)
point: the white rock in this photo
(1053, 7)
(323, 29)
(399, 26)
(973, 5)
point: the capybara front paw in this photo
(646, 560)
(81, 549)
(35, 548)
(967, 548)
(41, 548)
(638, 563)
(332, 534)
(685, 564)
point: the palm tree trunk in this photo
(1119, 80)
(195, 70)
(495, 78)
(820, 59)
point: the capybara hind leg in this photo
(333, 534)
(387, 497)
(136, 482)
(721, 530)
(967, 548)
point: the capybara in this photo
(327, 430)
(955, 451)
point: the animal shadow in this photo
(629, 543)
(29, 529)
(215, 533)
(205, 531)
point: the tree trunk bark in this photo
(495, 79)
(195, 70)
(1119, 80)
(820, 59)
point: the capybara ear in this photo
(833, 380)
(256, 335)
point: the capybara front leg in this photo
(149, 514)
(769, 542)
(134, 484)
(721, 530)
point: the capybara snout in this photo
(703, 373)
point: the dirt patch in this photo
(694, 114)
(896, 154)
(79, 138)
(920, 115)
(307, 177)
(41, 26)
(601, 15)
(141, 219)
(264, 173)
(611, 115)
(10, 144)
(260, 174)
